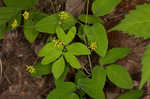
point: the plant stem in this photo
(86, 70)
(84, 35)
(1, 69)
(90, 63)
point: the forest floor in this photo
(16, 82)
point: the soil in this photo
(16, 53)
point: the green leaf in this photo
(6, 13)
(91, 88)
(66, 87)
(60, 34)
(102, 7)
(70, 35)
(137, 22)
(97, 33)
(65, 38)
(50, 52)
(99, 75)
(145, 66)
(41, 70)
(22, 4)
(29, 31)
(82, 97)
(119, 76)
(68, 22)
(2, 31)
(48, 48)
(90, 19)
(63, 76)
(113, 55)
(63, 91)
(2, 35)
(94, 87)
(52, 56)
(78, 49)
(79, 75)
(134, 94)
(81, 93)
(58, 67)
(17, 17)
(75, 96)
(81, 32)
(37, 15)
(57, 94)
(29, 25)
(72, 60)
(48, 24)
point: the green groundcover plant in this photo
(60, 52)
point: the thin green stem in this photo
(84, 35)
(90, 63)
(86, 70)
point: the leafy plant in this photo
(145, 68)
(59, 54)
(49, 23)
(97, 34)
(135, 20)
(62, 51)
(133, 94)
(23, 5)
(94, 87)
(132, 25)
(65, 91)
(29, 25)
(101, 8)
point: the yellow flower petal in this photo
(58, 43)
(14, 24)
(63, 15)
(30, 69)
(25, 15)
(93, 46)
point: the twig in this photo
(1, 69)
(7, 78)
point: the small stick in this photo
(1, 69)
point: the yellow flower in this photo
(93, 46)
(30, 69)
(55, 42)
(63, 15)
(14, 24)
(58, 43)
(25, 15)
